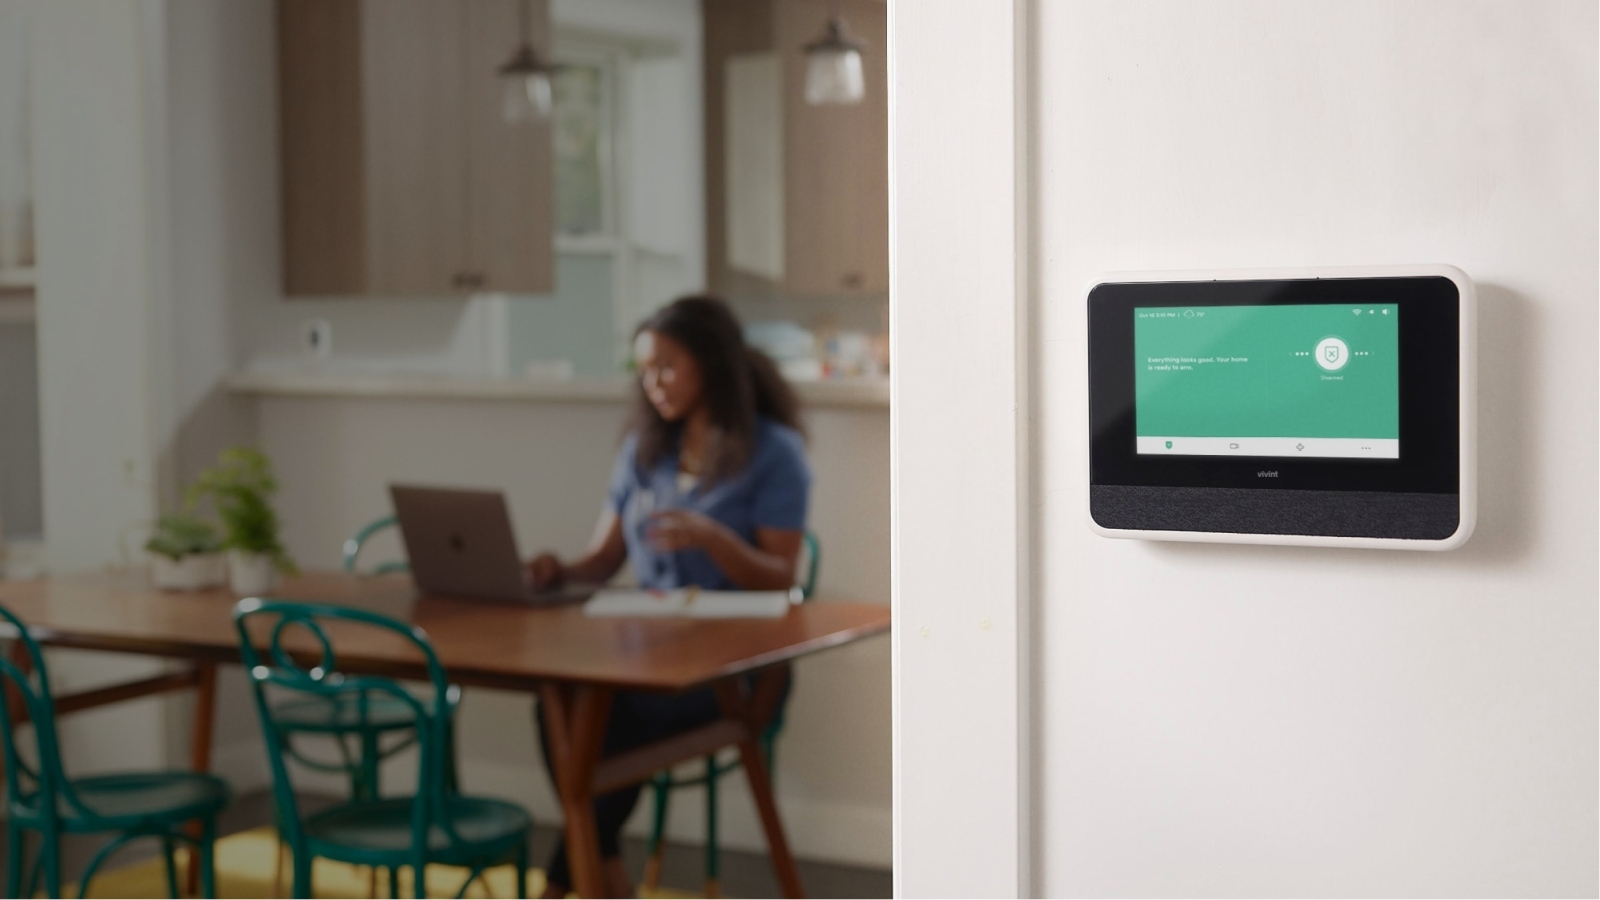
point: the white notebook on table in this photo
(688, 603)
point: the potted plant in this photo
(240, 487)
(185, 553)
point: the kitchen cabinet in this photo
(797, 195)
(399, 176)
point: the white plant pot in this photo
(195, 572)
(251, 573)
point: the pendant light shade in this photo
(833, 68)
(525, 90)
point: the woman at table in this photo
(709, 488)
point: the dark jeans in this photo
(636, 719)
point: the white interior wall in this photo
(101, 277)
(1254, 721)
(224, 254)
(960, 503)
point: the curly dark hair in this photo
(739, 385)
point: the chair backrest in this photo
(810, 560)
(353, 544)
(264, 625)
(46, 786)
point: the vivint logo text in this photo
(1267, 473)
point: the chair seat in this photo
(342, 714)
(131, 800)
(378, 831)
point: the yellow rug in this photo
(244, 869)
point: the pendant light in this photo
(525, 89)
(833, 67)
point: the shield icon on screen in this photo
(1169, 445)
(1331, 352)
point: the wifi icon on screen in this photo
(1356, 311)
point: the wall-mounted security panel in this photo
(1317, 406)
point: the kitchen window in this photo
(607, 277)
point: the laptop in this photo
(460, 544)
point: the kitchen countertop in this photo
(843, 393)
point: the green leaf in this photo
(240, 487)
(182, 534)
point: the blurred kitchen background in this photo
(354, 233)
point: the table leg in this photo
(735, 705)
(205, 712)
(205, 708)
(16, 704)
(575, 723)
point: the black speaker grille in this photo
(1366, 514)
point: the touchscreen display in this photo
(1275, 380)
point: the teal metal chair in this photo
(436, 824)
(352, 547)
(366, 722)
(664, 783)
(382, 715)
(135, 805)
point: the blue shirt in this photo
(771, 491)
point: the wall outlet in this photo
(316, 338)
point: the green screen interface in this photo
(1315, 381)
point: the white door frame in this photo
(959, 445)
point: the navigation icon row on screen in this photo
(1375, 448)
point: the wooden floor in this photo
(743, 874)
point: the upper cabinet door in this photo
(399, 177)
(739, 30)
(510, 217)
(836, 160)
(413, 62)
(322, 147)
(752, 109)
(797, 196)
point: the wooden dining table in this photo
(574, 663)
